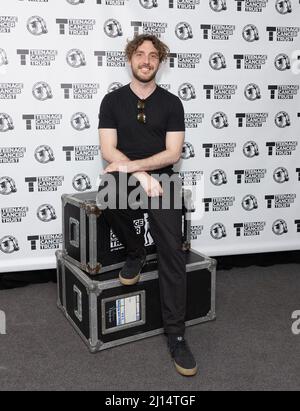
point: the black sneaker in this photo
(183, 358)
(130, 273)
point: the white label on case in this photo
(128, 310)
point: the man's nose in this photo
(146, 60)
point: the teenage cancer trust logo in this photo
(282, 62)
(80, 121)
(149, 4)
(76, 2)
(251, 149)
(113, 28)
(3, 58)
(6, 123)
(81, 182)
(9, 244)
(252, 92)
(218, 5)
(44, 154)
(46, 213)
(76, 58)
(184, 31)
(36, 25)
(284, 6)
(217, 61)
(7, 186)
(250, 33)
(187, 92)
(42, 91)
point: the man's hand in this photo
(151, 186)
(128, 167)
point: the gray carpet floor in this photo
(249, 347)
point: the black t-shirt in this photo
(164, 112)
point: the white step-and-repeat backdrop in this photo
(235, 65)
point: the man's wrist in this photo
(140, 174)
(137, 166)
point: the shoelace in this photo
(180, 345)
(133, 261)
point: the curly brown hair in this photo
(133, 45)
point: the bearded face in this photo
(145, 62)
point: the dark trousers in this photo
(166, 230)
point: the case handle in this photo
(74, 232)
(77, 303)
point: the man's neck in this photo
(143, 90)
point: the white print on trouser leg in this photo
(2, 323)
(296, 324)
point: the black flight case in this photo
(89, 242)
(106, 314)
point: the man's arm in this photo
(108, 145)
(120, 162)
(117, 160)
(171, 156)
(110, 153)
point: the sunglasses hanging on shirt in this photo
(141, 117)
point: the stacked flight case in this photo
(89, 242)
(103, 311)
